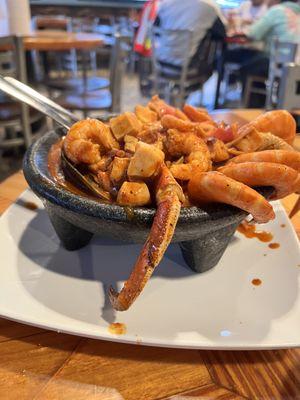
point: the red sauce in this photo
(250, 232)
(54, 166)
(282, 225)
(274, 245)
(256, 282)
(117, 328)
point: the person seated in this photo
(252, 10)
(197, 16)
(282, 21)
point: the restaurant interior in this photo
(114, 67)
(224, 64)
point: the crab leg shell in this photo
(168, 196)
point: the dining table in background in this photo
(54, 40)
(51, 40)
(40, 364)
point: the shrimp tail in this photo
(284, 179)
(216, 187)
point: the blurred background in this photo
(96, 57)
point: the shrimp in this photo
(86, 140)
(285, 180)
(218, 149)
(193, 147)
(151, 134)
(202, 129)
(216, 187)
(169, 196)
(278, 122)
(251, 140)
(172, 122)
(161, 108)
(196, 114)
(285, 157)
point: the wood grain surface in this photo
(51, 40)
(41, 365)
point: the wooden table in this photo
(52, 40)
(39, 364)
(48, 40)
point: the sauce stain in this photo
(282, 225)
(129, 212)
(117, 328)
(249, 231)
(30, 205)
(256, 282)
(274, 245)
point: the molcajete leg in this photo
(204, 253)
(71, 237)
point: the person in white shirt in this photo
(251, 10)
(197, 16)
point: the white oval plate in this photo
(44, 285)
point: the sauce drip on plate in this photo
(30, 205)
(256, 282)
(274, 245)
(117, 328)
(249, 230)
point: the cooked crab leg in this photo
(168, 197)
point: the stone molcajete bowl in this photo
(202, 234)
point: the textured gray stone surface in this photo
(204, 233)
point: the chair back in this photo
(159, 68)
(85, 24)
(117, 65)
(12, 60)
(280, 54)
(8, 60)
(289, 88)
(179, 81)
(14, 64)
(57, 22)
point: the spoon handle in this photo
(32, 92)
(34, 99)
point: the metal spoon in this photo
(26, 94)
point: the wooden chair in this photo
(289, 88)
(100, 100)
(281, 53)
(174, 83)
(53, 62)
(289, 99)
(85, 60)
(16, 120)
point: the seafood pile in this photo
(161, 156)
